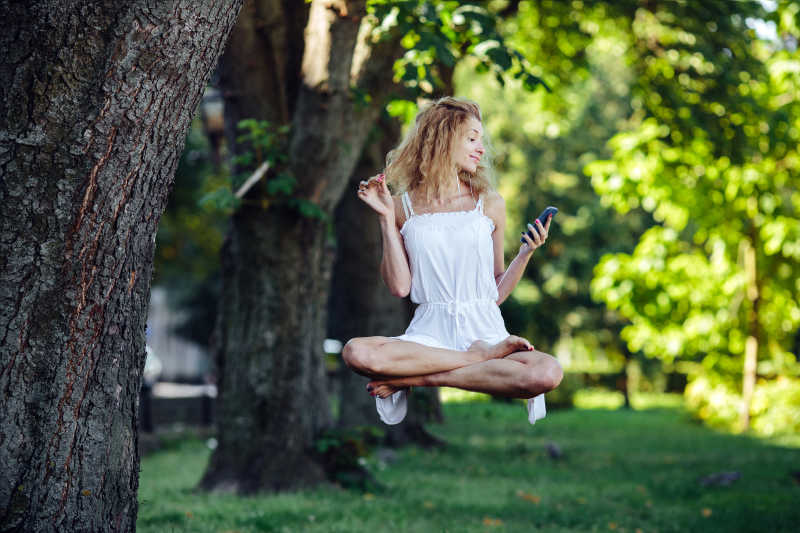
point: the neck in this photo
(450, 192)
(450, 188)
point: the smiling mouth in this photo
(477, 159)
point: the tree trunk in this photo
(95, 103)
(749, 369)
(275, 266)
(361, 305)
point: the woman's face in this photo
(468, 147)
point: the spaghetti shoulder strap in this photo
(409, 211)
(479, 205)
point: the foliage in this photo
(711, 152)
(437, 34)
(774, 410)
(708, 114)
(541, 143)
(620, 470)
(262, 142)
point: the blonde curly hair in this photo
(423, 160)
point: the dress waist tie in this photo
(458, 310)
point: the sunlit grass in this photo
(590, 398)
(619, 470)
(453, 395)
(598, 399)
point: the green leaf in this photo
(220, 199)
(284, 183)
(308, 209)
(500, 57)
(405, 110)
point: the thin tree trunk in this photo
(749, 370)
(95, 103)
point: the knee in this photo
(552, 375)
(544, 377)
(356, 355)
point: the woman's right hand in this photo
(375, 194)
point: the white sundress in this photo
(451, 255)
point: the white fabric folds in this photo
(536, 408)
(392, 410)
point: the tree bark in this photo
(95, 102)
(275, 265)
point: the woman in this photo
(443, 244)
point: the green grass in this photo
(622, 471)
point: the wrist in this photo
(525, 254)
(386, 219)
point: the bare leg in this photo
(384, 357)
(519, 375)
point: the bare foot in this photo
(384, 389)
(507, 346)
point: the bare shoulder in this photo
(494, 207)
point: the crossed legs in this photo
(510, 368)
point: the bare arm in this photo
(395, 271)
(507, 278)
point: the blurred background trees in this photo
(711, 152)
(669, 143)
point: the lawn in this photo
(621, 470)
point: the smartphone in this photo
(549, 210)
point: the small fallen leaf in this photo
(639, 530)
(86, 492)
(580, 500)
(529, 497)
(612, 525)
(427, 504)
(706, 512)
(641, 489)
(369, 496)
(189, 514)
(492, 521)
